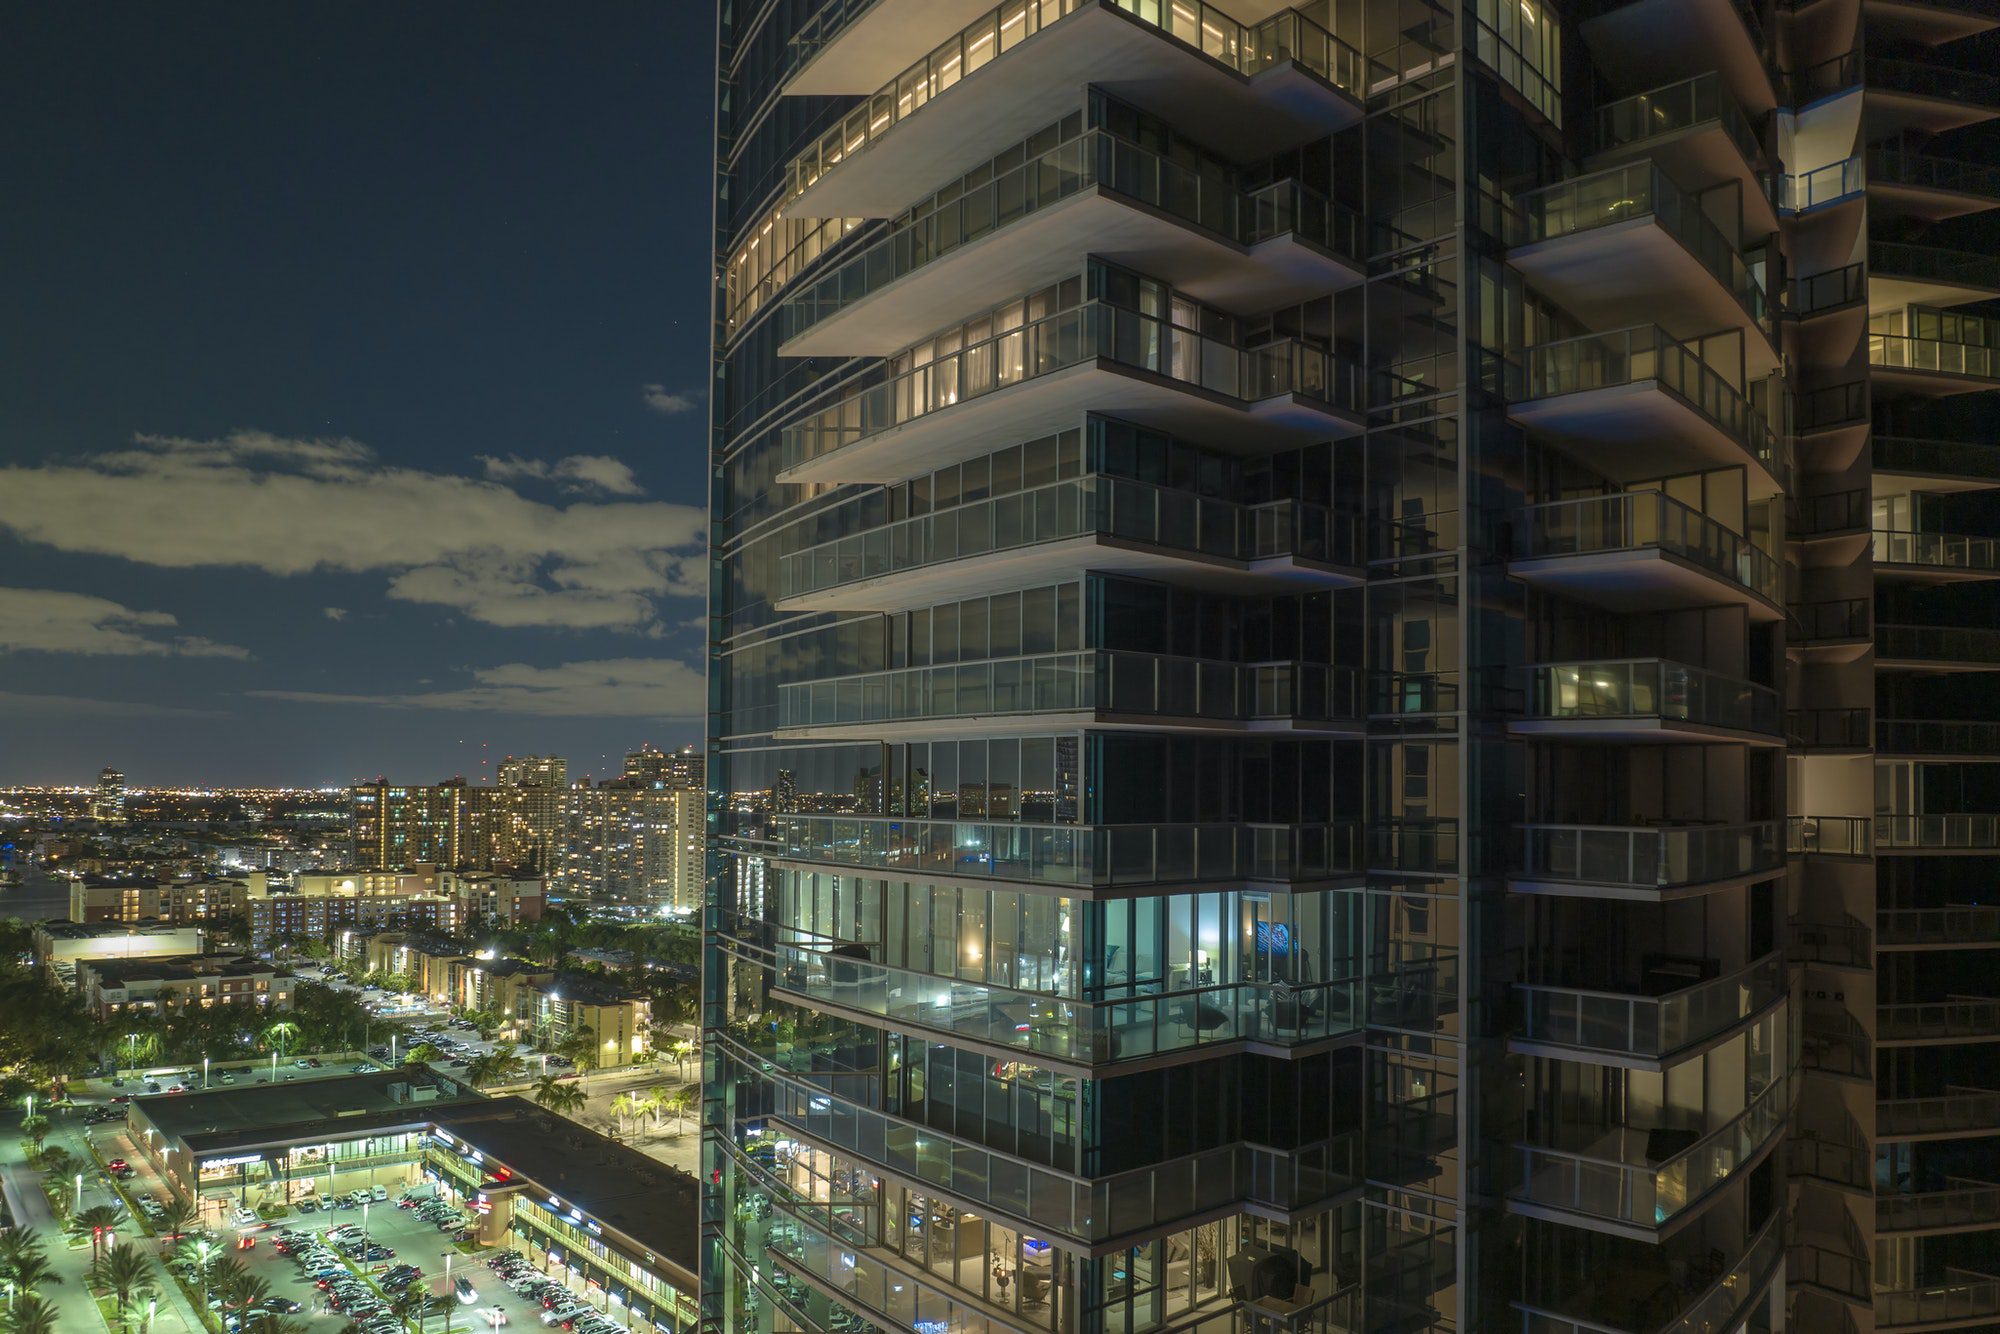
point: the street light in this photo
(204, 1074)
(79, 1192)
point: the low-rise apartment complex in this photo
(112, 987)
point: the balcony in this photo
(1692, 128)
(1043, 376)
(1643, 41)
(1836, 630)
(1960, 1112)
(1961, 1019)
(1966, 1297)
(1646, 863)
(1031, 225)
(1930, 22)
(1848, 943)
(1661, 1297)
(1930, 188)
(1847, 1163)
(1830, 529)
(1937, 648)
(1640, 551)
(1830, 730)
(1978, 834)
(1823, 187)
(1600, 394)
(1930, 366)
(1832, 424)
(1935, 557)
(993, 83)
(1626, 240)
(1834, 1043)
(1065, 691)
(1646, 1032)
(1940, 465)
(1906, 95)
(1964, 739)
(1828, 292)
(1045, 533)
(1077, 856)
(1959, 926)
(1964, 1205)
(1905, 274)
(1646, 699)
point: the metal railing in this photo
(1921, 736)
(1832, 408)
(1651, 1026)
(1097, 505)
(1830, 290)
(1920, 1021)
(1830, 835)
(1925, 172)
(1965, 1295)
(1645, 352)
(1948, 458)
(1959, 1110)
(1830, 621)
(1245, 48)
(1958, 923)
(1835, 1043)
(1670, 110)
(1843, 1272)
(1637, 190)
(1964, 1204)
(1943, 551)
(1938, 643)
(1649, 1194)
(1822, 186)
(1070, 338)
(1650, 856)
(1631, 520)
(1825, 79)
(1848, 1162)
(1065, 854)
(1644, 1300)
(1849, 943)
(1893, 832)
(1928, 78)
(1906, 259)
(1649, 688)
(1901, 352)
(1147, 684)
(1839, 512)
(1840, 728)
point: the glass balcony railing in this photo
(1633, 520)
(1070, 338)
(1847, 943)
(1928, 78)
(1835, 1270)
(1963, 1017)
(1098, 506)
(1920, 736)
(1821, 186)
(1955, 924)
(1963, 1205)
(1054, 1027)
(1094, 158)
(828, 21)
(1844, 1162)
(1894, 833)
(1939, 551)
(1829, 835)
(1921, 171)
(1959, 1110)
(1969, 645)
(1824, 79)
(1246, 49)
(1698, 1297)
(1652, 115)
(1152, 685)
(1946, 458)
(1636, 355)
(1962, 268)
(1836, 407)
(1651, 688)
(1649, 1026)
(1819, 516)
(1650, 856)
(1830, 290)
(1061, 854)
(1900, 352)
(1838, 728)
(1637, 190)
(1830, 621)
(1835, 1043)
(1651, 1194)
(1965, 1296)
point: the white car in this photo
(242, 1217)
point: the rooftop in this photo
(180, 968)
(57, 929)
(257, 1113)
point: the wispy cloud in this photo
(669, 402)
(334, 613)
(46, 620)
(651, 688)
(577, 473)
(72, 706)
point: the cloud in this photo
(41, 706)
(576, 473)
(44, 620)
(668, 403)
(612, 688)
(294, 507)
(334, 613)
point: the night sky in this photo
(352, 386)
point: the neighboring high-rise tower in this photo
(1298, 741)
(107, 802)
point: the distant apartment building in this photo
(393, 825)
(107, 803)
(60, 948)
(111, 987)
(203, 899)
(425, 897)
(636, 842)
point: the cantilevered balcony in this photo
(1647, 863)
(1831, 730)
(1835, 630)
(1919, 185)
(1847, 943)
(1902, 273)
(1660, 1296)
(1694, 129)
(1928, 97)
(1965, 833)
(1640, 1183)
(1034, 223)
(1823, 187)
(1646, 699)
(1834, 1043)
(1963, 1299)
(1640, 42)
(1627, 241)
(1829, 835)
(1832, 424)
(1960, 1112)
(1937, 648)
(1641, 551)
(1932, 366)
(1959, 926)
(1830, 529)
(1077, 856)
(1847, 1163)
(1962, 1205)
(1065, 691)
(994, 82)
(1930, 22)
(1819, 295)
(1961, 1019)
(1935, 557)
(1043, 376)
(1107, 524)
(1636, 404)
(1937, 465)
(1646, 1031)
(1959, 738)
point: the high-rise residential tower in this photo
(1295, 703)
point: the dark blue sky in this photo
(352, 367)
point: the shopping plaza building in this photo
(1353, 662)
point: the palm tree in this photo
(173, 1218)
(683, 1049)
(625, 1107)
(278, 1034)
(56, 1161)
(36, 1128)
(127, 1273)
(246, 1291)
(98, 1219)
(32, 1315)
(559, 1095)
(656, 1101)
(683, 1102)
(500, 1066)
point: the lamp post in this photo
(79, 1192)
(132, 1051)
(204, 1074)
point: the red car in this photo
(177, 1088)
(245, 1242)
(123, 1097)
(116, 1164)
